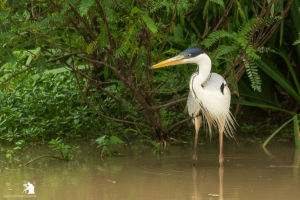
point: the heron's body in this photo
(209, 96)
(212, 101)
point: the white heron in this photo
(209, 96)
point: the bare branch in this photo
(169, 104)
(16, 74)
(177, 124)
(174, 91)
(90, 30)
(224, 15)
(81, 33)
(111, 42)
(96, 111)
(32, 11)
(167, 31)
(284, 15)
(101, 63)
(67, 55)
(238, 61)
(43, 157)
(171, 100)
(101, 88)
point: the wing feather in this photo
(215, 104)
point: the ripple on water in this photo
(175, 165)
(181, 165)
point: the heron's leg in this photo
(221, 157)
(198, 120)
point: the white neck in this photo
(204, 66)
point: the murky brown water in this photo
(250, 173)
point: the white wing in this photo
(193, 106)
(215, 103)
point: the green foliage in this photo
(150, 24)
(106, 144)
(254, 140)
(257, 128)
(9, 154)
(45, 102)
(134, 11)
(158, 147)
(239, 41)
(63, 149)
(85, 6)
(35, 108)
(21, 144)
(296, 42)
(252, 72)
(215, 36)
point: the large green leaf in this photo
(100, 140)
(296, 131)
(54, 71)
(290, 68)
(150, 23)
(248, 103)
(295, 14)
(278, 77)
(271, 136)
(115, 140)
(178, 34)
(134, 11)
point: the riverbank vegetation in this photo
(80, 69)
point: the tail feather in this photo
(216, 122)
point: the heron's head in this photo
(190, 55)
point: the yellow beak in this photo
(172, 61)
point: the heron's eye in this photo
(189, 55)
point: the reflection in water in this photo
(221, 175)
(196, 197)
(250, 174)
(296, 164)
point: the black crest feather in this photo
(194, 51)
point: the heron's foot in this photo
(221, 160)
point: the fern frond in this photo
(248, 26)
(73, 2)
(91, 46)
(183, 4)
(215, 36)
(296, 42)
(66, 5)
(103, 39)
(270, 21)
(264, 50)
(121, 51)
(126, 43)
(85, 6)
(159, 5)
(252, 73)
(243, 41)
(223, 50)
(220, 2)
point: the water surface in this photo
(248, 173)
